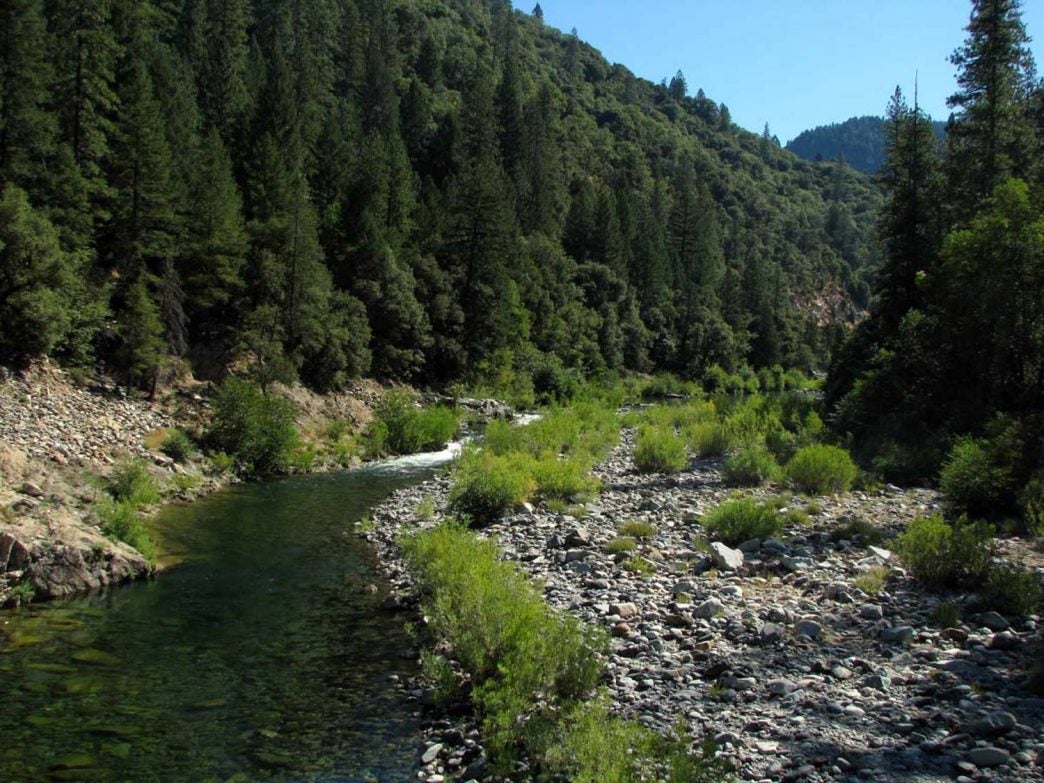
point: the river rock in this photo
(724, 557)
(988, 757)
(712, 607)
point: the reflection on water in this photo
(264, 656)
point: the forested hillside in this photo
(861, 140)
(424, 190)
(946, 377)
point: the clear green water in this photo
(264, 656)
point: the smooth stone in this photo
(770, 633)
(995, 724)
(900, 634)
(431, 753)
(993, 621)
(712, 607)
(625, 611)
(871, 612)
(782, 687)
(809, 628)
(988, 757)
(724, 557)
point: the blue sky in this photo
(792, 63)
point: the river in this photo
(264, 655)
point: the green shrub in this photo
(601, 748)
(972, 482)
(750, 467)
(1032, 503)
(668, 385)
(708, 439)
(487, 486)
(944, 555)
(528, 662)
(401, 427)
(1011, 589)
(563, 479)
(553, 383)
(659, 451)
(122, 521)
(640, 566)
(621, 544)
(221, 462)
(178, 445)
(872, 580)
(255, 428)
(736, 521)
(822, 469)
(130, 482)
(635, 528)
(946, 615)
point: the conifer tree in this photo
(84, 56)
(990, 137)
(27, 128)
(36, 280)
(222, 70)
(216, 244)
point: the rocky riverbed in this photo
(770, 649)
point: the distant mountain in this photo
(861, 139)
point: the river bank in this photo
(60, 437)
(778, 652)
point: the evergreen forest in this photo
(441, 191)
(417, 190)
(859, 140)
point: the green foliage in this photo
(403, 428)
(1011, 589)
(130, 482)
(1032, 502)
(178, 445)
(743, 519)
(563, 479)
(640, 566)
(946, 615)
(972, 482)
(486, 486)
(599, 748)
(709, 439)
(750, 467)
(221, 462)
(822, 469)
(621, 544)
(940, 554)
(257, 429)
(122, 521)
(635, 528)
(527, 661)
(371, 202)
(37, 280)
(872, 580)
(659, 451)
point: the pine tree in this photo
(27, 129)
(222, 71)
(480, 244)
(36, 280)
(142, 232)
(216, 244)
(910, 223)
(141, 330)
(990, 137)
(84, 56)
